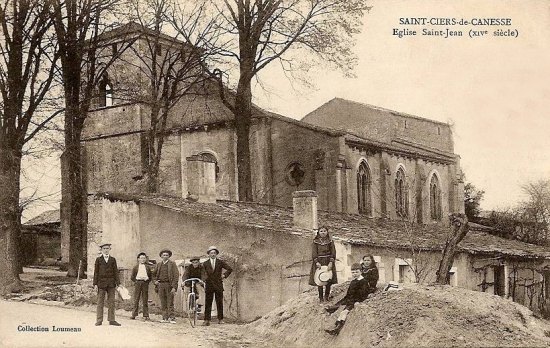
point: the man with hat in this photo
(194, 270)
(106, 279)
(166, 280)
(214, 283)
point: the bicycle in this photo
(192, 305)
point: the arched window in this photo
(435, 198)
(364, 189)
(211, 158)
(105, 92)
(401, 194)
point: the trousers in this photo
(209, 297)
(166, 300)
(141, 289)
(101, 303)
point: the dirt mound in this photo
(426, 316)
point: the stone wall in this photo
(381, 124)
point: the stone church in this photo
(359, 158)
(370, 169)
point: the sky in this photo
(493, 90)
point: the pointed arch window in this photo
(364, 189)
(401, 194)
(435, 198)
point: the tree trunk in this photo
(460, 228)
(243, 116)
(74, 193)
(10, 219)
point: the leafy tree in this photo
(472, 200)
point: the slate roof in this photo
(47, 217)
(352, 228)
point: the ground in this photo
(416, 316)
(50, 298)
(132, 333)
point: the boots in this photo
(320, 290)
(336, 329)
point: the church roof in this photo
(352, 228)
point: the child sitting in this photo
(358, 290)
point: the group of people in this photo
(165, 277)
(323, 275)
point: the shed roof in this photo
(47, 217)
(352, 228)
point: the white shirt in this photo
(213, 263)
(106, 258)
(142, 272)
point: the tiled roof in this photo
(355, 229)
(47, 217)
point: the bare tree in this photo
(84, 60)
(459, 229)
(27, 60)
(166, 69)
(256, 33)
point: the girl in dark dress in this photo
(369, 271)
(323, 253)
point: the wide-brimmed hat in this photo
(104, 244)
(213, 248)
(322, 276)
(165, 251)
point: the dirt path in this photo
(16, 316)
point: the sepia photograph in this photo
(274, 173)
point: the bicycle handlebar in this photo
(194, 279)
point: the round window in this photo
(294, 174)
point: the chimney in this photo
(305, 209)
(201, 179)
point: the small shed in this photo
(41, 238)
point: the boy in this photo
(166, 279)
(194, 270)
(141, 276)
(357, 292)
(106, 279)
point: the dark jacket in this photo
(192, 272)
(357, 292)
(173, 273)
(147, 269)
(371, 277)
(213, 277)
(322, 251)
(106, 274)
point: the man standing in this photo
(105, 281)
(141, 276)
(166, 279)
(214, 283)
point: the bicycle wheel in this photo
(191, 310)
